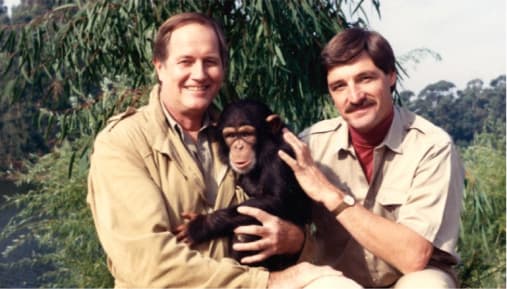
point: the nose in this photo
(356, 95)
(198, 71)
(238, 144)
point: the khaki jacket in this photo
(417, 181)
(141, 179)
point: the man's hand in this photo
(309, 176)
(276, 236)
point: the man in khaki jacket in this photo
(153, 165)
(389, 182)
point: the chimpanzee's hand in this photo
(182, 231)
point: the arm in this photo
(221, 223)
(133, 225)
(396, 243)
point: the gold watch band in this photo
(348, 201)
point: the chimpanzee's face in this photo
(241, 142)
(246, 126)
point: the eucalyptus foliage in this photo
(274, 50)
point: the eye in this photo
(211, 61)
(247, 133)
(366, 78)
(229, 135)
(248, 136)
(184, 61)
(337, 87)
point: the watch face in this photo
(349, 200)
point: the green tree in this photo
(17, 130)
(70, 49)
(462, 113)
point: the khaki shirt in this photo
(200, 151)
(141, 179)
(417, 181)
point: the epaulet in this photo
(114, 120)
(322, 127)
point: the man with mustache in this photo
(388, 183)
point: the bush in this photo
(55, 215)
(482, 238)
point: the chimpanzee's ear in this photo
(275, 122)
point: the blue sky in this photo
(469, 35)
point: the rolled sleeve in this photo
(432, 207)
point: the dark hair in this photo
(349, 43)
(160, 51)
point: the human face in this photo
(361, 92)
(192, 74)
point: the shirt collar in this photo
(393, 139)
(395, 134)
(177, 127)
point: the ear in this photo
(275, 122)
(158, 65)
(392, 78)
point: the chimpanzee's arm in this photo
(223, 222)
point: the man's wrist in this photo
(332, 199)
(347, 202)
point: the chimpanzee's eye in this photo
(247, 133)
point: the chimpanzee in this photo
(250, 139)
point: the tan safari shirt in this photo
(141, 179)
(417, 181)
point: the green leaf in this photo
(280, 55)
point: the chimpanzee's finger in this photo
(180, 233)
(189, 215)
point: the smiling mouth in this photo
(197, 88)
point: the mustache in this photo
(355, 106)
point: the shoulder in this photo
(124, 128)
(322, 128)
(423, 129)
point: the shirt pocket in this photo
(389, 202)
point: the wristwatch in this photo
(348, 201)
